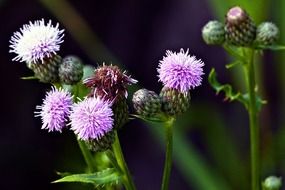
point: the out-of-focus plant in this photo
(242, 39)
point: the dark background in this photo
(135, 34)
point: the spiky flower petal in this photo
(109, 82)
(91, 118)
(36, 41)
(180, 71)
(55, 109)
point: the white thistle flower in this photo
(36, 41)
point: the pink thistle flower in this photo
(55, 109)
(91, 118)
(180, 71)
(36, 41)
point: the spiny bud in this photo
(267, 33)
(213, 33)
(47, 70)
(272, 183)
(121, 112)
(102, 144)
(146, 103)
(174, 102)
(71, 70)
(240, 29)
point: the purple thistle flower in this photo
(91, 118)
(180, 71)
(36, 41)
(55, 109)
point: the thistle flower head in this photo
(55, 109)
(109, 82)
(180, 71)
(36, 41)
(236, 15)
(91, 118)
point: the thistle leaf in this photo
(226, 88)
(105, 177)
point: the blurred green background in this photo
(211, 145)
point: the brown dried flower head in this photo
(109, 82)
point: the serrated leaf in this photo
(105, 177)
(272, 47)
(226, 88)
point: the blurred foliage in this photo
(228, 169)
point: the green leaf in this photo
(226, 88)
(158, 118)
(259, 101)
(272, 47)
(105, 177)
(231, 65)
(63, 174)
(29, 78)
(88, 70)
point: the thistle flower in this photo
(267, 33)
(180, 71)
(109, 82)
(70, 70)
(213, 33)
(240, 29)
(146, 103)
(91, 118)
(36, 41)
(55, 109)
(174, 102)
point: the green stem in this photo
(87, 155)
(127, 179)
(254, 129)
(168, 154)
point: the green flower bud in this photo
(272, 183)
(121, 112)
(146, 103)
(213, 33)
(173, 101)
(267, 33)
(47, 71)
(71, 70)
(102, 144)
(240, 29)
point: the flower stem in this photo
(87, 155)
(254, 129)
(127, 179)
(168, 154)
